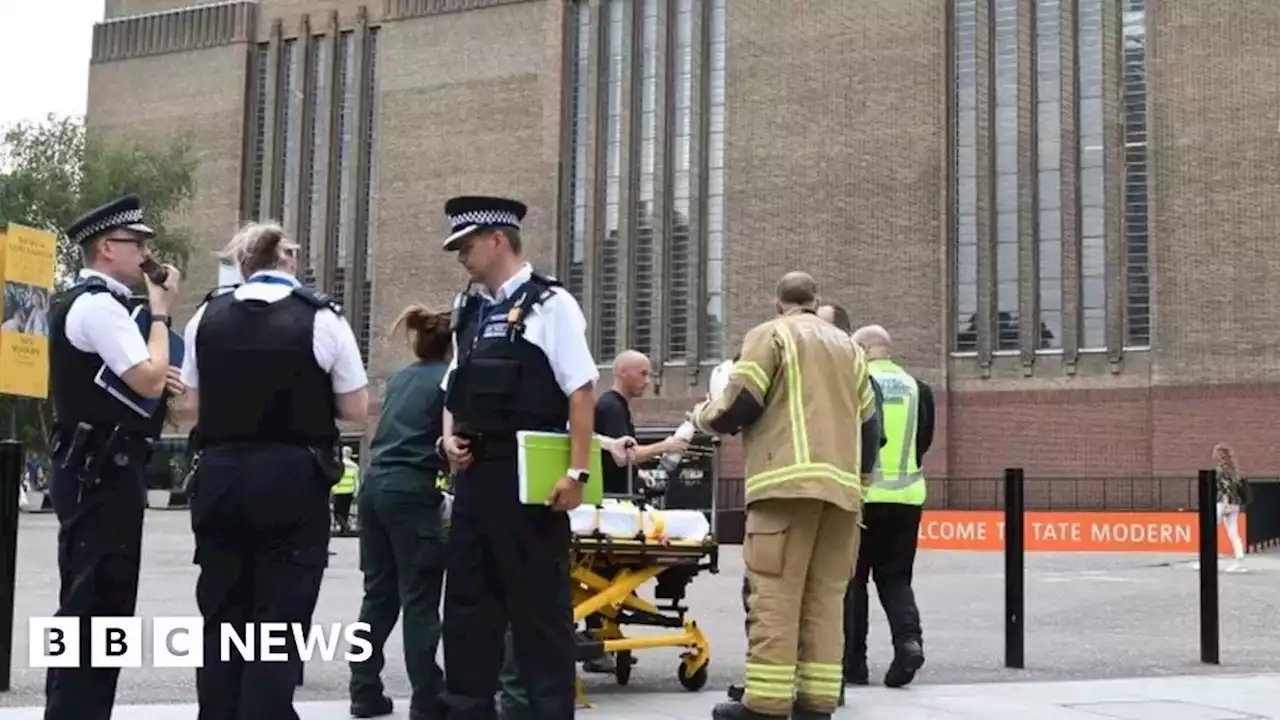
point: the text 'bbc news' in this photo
(180, 642)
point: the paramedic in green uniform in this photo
(402, 544)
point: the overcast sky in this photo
(44, 57)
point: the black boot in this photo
(372, 707)
(738, 711)
(857, 674)
(800, 713)
(908, 659)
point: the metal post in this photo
(10, 482)
(1209, 567)
(1014, 571)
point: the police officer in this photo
(101, 445)
(270, 366)
(892, 514)
(521, 363)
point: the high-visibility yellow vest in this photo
(897, 478)
(347, 485)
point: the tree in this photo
(54, 171)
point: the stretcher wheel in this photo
(622, 666)
(694, 682)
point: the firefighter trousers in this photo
(799, 555)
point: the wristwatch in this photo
(161, 318)
(440, 448)
(580, 475)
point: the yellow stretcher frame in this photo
(616, 602)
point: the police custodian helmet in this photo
(470, 213)
(125, 212)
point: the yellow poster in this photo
(26, 265)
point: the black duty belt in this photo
(490, 446)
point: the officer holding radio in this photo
(521, 362)
(271, 366)
(101, 444)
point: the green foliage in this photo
(54, 171)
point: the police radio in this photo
(155, 271)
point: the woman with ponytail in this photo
(271, 367)
(401, 529)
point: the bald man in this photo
(632, 374)
(891, 516)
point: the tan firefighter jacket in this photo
(799, 393)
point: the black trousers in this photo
(342, 511)
(402, 555)
(261, 520)
(887, 555)
(99, 551)
(508, 563)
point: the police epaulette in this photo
(546, 279)
(317, 299)
(220, 290)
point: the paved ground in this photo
(1088, 616)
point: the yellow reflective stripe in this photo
(771, 672)
(753, 373)
(770, 682)
(795, 395)
(826, 689)
(817, 471)
(820, 671)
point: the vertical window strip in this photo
(680, 260)
(261, 60)
(318, 170)
(1049, 162)
(643, 272)
(1006, 146)
(368, 231)
(1093, 290)
(966, 176)
(713, 336)
(1136, 239)
(290, 111)
(343, 232)
(580, 120)
(611, 243)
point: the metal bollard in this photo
(1014, 571)
(10, 483)
(1208, 512)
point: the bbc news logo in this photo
(117, 642)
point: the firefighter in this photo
(798, 385)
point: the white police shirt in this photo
(333, 342)
(556, 326)
(97, 323)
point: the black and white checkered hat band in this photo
(485, 217)
(120, 219)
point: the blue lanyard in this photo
(270, 280)
(487, 311)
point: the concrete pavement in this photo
(1245, 697)
(1089, 616)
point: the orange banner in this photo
(1171, 532)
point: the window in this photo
(341, 232)
(643, 268)
(1006, 148)
(1137, 248)
(579, 127)
(261, 61)
(680, 262)
(367, 232)
(318, 167)
(671, 159)
(286, 189)
(1093, 267)
(966, 174)
(713, 335)
(1049, 163)
(611, 243)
